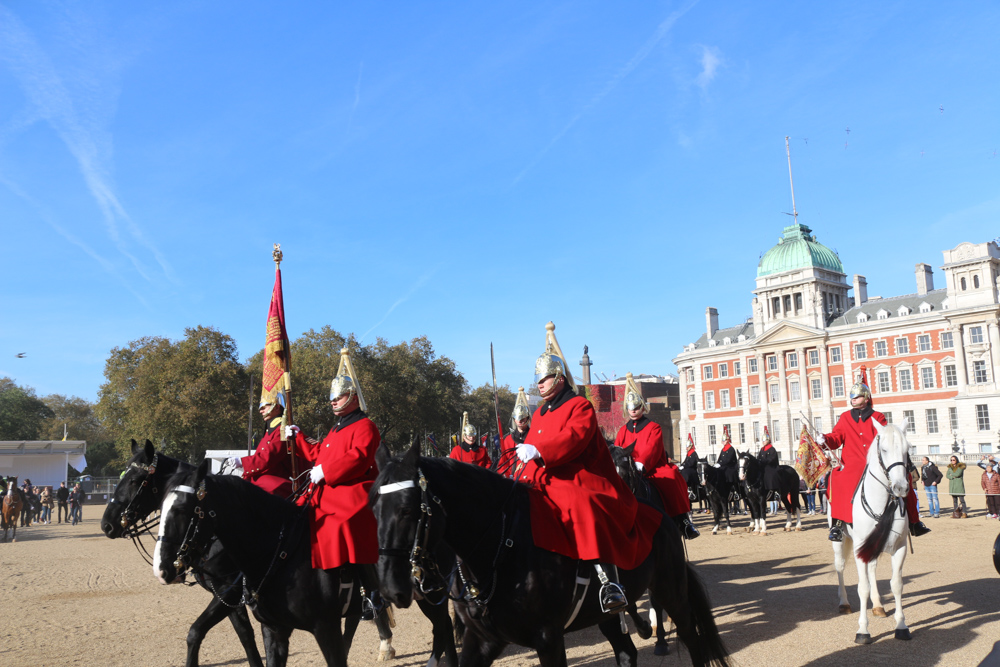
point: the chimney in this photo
(925, 279)
(860, 290)
(711, 321)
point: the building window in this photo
(755, 394)
(743, 434)
(711, 434)
(835, 355)
(724, 398)
(737, 368)
(962, 282)
(911, 427)
(692, 406)
(739, 397)
(774, 392)
(975, 334)
(947, 341)
(933, 449)
(818, 424)
(709, 400)
(752, 364)
(905, 380)
(798, 299)
(888, 417)
(902, 346)
(860, 351)
(814, 357)
(694, 436)
(796, 429)
(723, 370)
(985, 448)
(838, 387)
(776, 431)
(756, 431)
(793, 360)
(983, 417)
(793, 391)
(776, 305)
(772, 362)
(932, 422)
(953, 419)
(950, 376)
(883, 382)
(979, 372)
(927, 377)
(708, 371)
(786, 302)
(924, 343)
(975, 281)
(816, 388)
(881, 348)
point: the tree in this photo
(22, 413)
(479, 404)
(80, 420)
(188, 395)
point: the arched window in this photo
(975, 282)
(963, 284)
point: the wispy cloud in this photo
(357, 96)
(641, 55)
(86, 140)
(710, 61)
(403, 299)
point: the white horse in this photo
(879, 525)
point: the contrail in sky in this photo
(357, 97)
(417, 285)
(640, 55)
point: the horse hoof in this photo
(844, 609)
(798, 529)
(862, 639)
(387, 655)
(643, 629)
(661, 648)
(879, 611)
(786, 529)
(433, 661)
(903, 634)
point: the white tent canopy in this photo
(44, 462)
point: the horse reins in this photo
(892, 502)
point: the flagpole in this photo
(286, 416)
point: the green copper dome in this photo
(798, 249)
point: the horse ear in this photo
(149, 450)
(879, 429)
(904, 425)
(135, 447)
(382, 456)
(413, 453)
(203, 470)
(629, 450)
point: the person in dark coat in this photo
(768, 459)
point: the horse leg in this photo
(443, 642)
(351, 623)
(385, 650)
(212, 616)
(844, 607)
(276, 645)
(656, 614)
(725, 514)
(898, 558)
(622, 644)
(480, 652)
(331, 642)
(642, 626)
(864, 586)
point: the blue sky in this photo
(469, 171)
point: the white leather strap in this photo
(396, 486)
(184, 489)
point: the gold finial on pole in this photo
(276, 254)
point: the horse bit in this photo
(892, 504)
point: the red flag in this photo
(276, 348)
(810, 461)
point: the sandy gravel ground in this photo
(73, 597)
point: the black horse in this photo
(640, 486)
(139, 494)
(514, 591)
(713, 480)
(752, 490)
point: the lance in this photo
(496, 408)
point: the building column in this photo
(765, 410)
(745, 387)
(994, 350)
(824, 367)
(959, 340)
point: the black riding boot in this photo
(685, 525)
(837, 531)
(611, 595)
(918, 528)
(371, 601)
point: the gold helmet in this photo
(553, 361)
(468, 430)
(633, 397)
(346, 381)
(521, 409)
(861, 389)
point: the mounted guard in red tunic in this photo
(469, 449)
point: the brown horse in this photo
(13, 502)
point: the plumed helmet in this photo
(468, 430)
(521, 409)
(346, 380)
(861, 389)
(726, 438)
(553, 361)
(633, 397)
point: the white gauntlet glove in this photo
(527, 452)
(639, 466)
(716, 466)
(820, 439)
(290, 431)
(316, 474)
(235, 462)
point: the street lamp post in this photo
(954, 444)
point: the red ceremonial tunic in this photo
(343, 525)
(580, 507)
(478, 456)
(648, 439)
(855, 437)
(526, 473)
(270, 465)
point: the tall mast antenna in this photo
(788, 152)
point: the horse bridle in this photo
(892, 503)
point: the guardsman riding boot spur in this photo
(371, 601)
(611, 595)
(686, 526)
(837, 531)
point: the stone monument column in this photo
(586, 363)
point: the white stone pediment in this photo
(790, 332)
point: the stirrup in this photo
(372, 605)
(611, 595)
(836, 531)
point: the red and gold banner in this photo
(811, 461)
(276, 352)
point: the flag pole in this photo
(286, 415)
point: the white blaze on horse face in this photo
(168, 503)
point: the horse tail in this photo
(876, 540)
(708, 648)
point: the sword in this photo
(496, 408)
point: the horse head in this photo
(126, 505)
(890, 454)
(186, 529)
(702, 465)
(625, 464)
(409, 523)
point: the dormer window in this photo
(926, 307)
(741, 338)
(882, 314)
(903, 311)
(727, 340)
(862, 318)
(711, 343)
